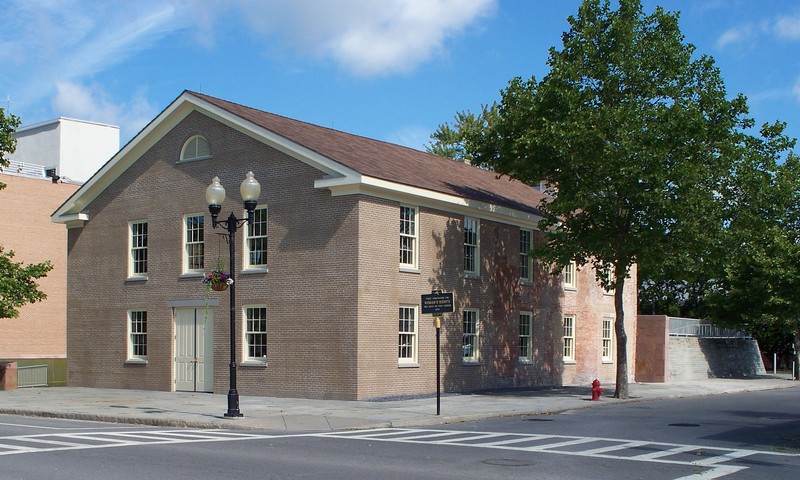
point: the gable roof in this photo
(352, 164)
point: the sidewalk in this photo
(204, 410)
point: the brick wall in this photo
(40, 329)
(309, 289)
(652, 354)
(332, 291)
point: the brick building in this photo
(38, 335)
(349, 233)
(50, 159)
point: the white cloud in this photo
(788, 27)
(71, 40)
(366, 38)
(796, 89)
(94, 104)
(412, 136)
(734, 35)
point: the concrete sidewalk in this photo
(204, 410)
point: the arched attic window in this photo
(196, 148)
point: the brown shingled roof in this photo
(393, 163)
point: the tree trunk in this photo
(622, 340)
(796, 354)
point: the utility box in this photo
(8, 376)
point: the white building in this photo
(71, 149)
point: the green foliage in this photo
(454, 141)
(8, 143)
(17, 284)
(760, 277)
(634, 137)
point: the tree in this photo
(452, 142)
(17, 281)
(634, 139)
(8, 143)
(756, 289)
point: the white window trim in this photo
(570, 276)
(477, 246)
(131, 358)
(528, 260)
(413, 360)
(571, 357)
(529, 357)
(611, 278)
(183, 159)
(414, 266)
(246, 358)
(131, 274)
(476, 357)
(246, 265)
(185, 261)
(610, 357)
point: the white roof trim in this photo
(339, 179)
(161, 125)
(419, 196)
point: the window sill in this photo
(142, 278)
(253, 364)
(525, 281)
(196, 159)
(570, 362)
(607, 361)
(408, 365)
(470, 363)
(136, 361)
(409, 270)
(254, 271)
(192, 275)
(472, 276)
(568, 288)
(524, 361)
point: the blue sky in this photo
(386, 69)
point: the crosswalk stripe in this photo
(50, 442)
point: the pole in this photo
(233, 393)
(438, 365)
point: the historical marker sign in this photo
(437, 303)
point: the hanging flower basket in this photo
(218, 280)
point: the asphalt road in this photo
(738, 436)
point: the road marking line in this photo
(612, 448)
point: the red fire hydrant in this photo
(597, 390)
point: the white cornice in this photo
(376, 187)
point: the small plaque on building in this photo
(437, 303)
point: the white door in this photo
(194, 350)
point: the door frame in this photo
(202, 344)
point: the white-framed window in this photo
(570, 276)
(610, 279)
(607, 339)
(137, 335)
(195, 148)
(137, 239)
(470, 342)
(525, 261)
(255, 242)
(569, 338)
(471, 246)
(193, 243)
(408, 237)
(525, 336)
(407, 339)
(255, 333)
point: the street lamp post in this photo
(215, 195)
